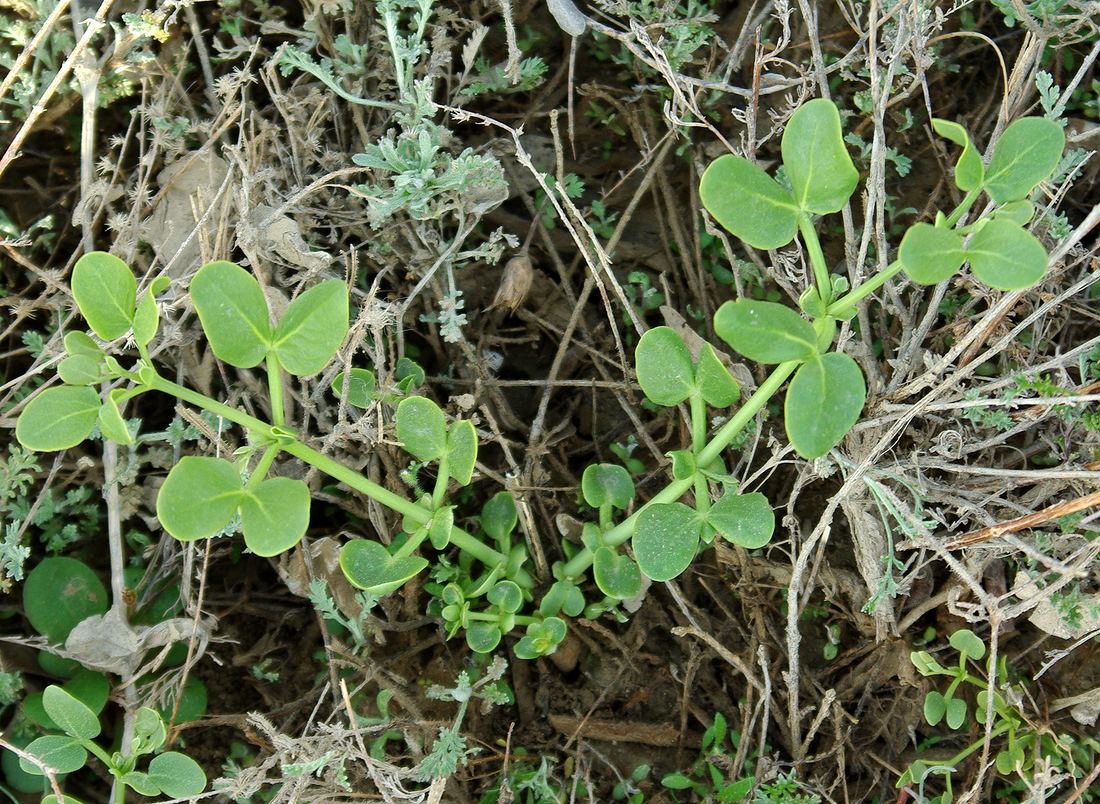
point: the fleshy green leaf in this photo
(177, 775)
(824, 400)
(146, 319)
(1026, 154)
(274, 515)
(105, 291)
(462, 451)
(199, 497)
(58, 418)
(617, 575)
(498, 516)
(821, 172)
(935, 707)
(483, 637)
(370, 567)
(743, 519)
(930, 254)
(80, 369)
(666, 539)
(956, 712)
(966, 641)
(62, 753)
(422, 428)
(507, 596)
(969, 170)
(748, 202)
(233, 313)
(312, 328)
(607, 483)
(111, 423)
(1018, 212)
(441, 526)
(664, 367)
(1006, 256)
(141, 783)
(71, 716)
(149, 731)
(715, 383)
(59, 593)
(360, 389)
(765, 332)
(78, 343)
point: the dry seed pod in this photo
(515, 284)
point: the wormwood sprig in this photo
(480, 585)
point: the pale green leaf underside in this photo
(59, 752)
(607, 484)
(715, 383)
(177, 775)
(462, 451)
(743, 519)
(71, 716)
(617, 575)
(748, 202)
(823, 401)
(969, 170)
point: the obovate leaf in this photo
(956, 712)
(199, 497)
(618, 576)
(71, 716)
(821, 172)
(146, 319)
(498, 516)
(748, 202)
(312, 329)
(967, 642)
(80, 369)
(1019, 212)
(274, 515)
(1026, 154)
(105, 291)
(507, 596)
(370, 567)
(177, 775)
(666, 539)
(930, 254)
(462, 451)
(765, 332)
(743, 519)
(969, 170)
(111, 423)
(59, 593)
(1006, 256)
(422, 428)
(58, 418)
(607, 483)
(715, 383)
(483, 637)
(664, 367)
(935, 707)
(78, 343)
(233, 313)
(61, 753)
(360, 388)
(823, 401)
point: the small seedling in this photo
(169, 773)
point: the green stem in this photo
(275, 389)
(418, 514)
(415, 539)
(260, 472)
(698, 441)
(838, 308)
(709, 454)
(963, 208)
(817, 258)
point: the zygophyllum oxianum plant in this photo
(480, 584)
